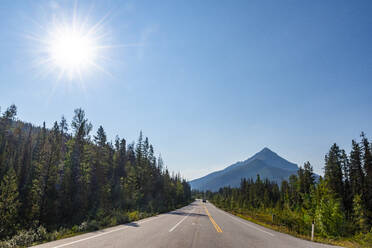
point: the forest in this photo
(339, 204)
(58, 181)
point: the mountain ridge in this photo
(265, 163)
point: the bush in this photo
(133, 216)
(41, 234)
(92, 225)
(75, 229)
(365, 239)
(23, 238)
(5, 244)
(53, 236)
(119, 217)
(104, 221)
(83, 226)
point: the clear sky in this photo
(209, 82)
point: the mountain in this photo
(266, 163)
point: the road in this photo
(196, 225)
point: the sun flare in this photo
(71, 50)
(71, 46)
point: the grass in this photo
(265, 220)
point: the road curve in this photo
(196, 225)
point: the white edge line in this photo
(101, 234)
(243, 222)
(170, 230)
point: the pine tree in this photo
(10, 113)
(333, 170)
(359, 214)
(77, 171)
(309, 177)
(101, 137)
(50, 177)
(367, 164)
(348, 196)
(9, 204)
(356, 172)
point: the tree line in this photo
(63, 176)
(340, 204)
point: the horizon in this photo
(209, 83)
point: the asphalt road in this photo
(196, 225)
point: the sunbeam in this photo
(72, 47)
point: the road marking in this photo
(101, 234)
(212, 220)
(246, 223)
(171, 230)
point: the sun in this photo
(71, 46)
(72, 51)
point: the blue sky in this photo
(209, 82)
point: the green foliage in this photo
(365, 239)
(92, 225)
(330, 220)
(53, 178)
(359, 214)
(8, 204)
(25, 238)
(339, 204)
(133, 216)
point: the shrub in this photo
(75, 229)
(119, 217)
(104, 221)
(83, 226)
(133, 216)
(5, 244)
(92, 225)
(23, 238)
(41, 234)
(365, 239)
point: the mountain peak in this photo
(266, 163)
(266, 150)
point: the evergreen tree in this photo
(367, 164)
(333, 170)
(359, 214)
(355, 171)
(9, 204)
(308, 177)
(10, 113)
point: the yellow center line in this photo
(212, 220)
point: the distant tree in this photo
(80, 125)
(10, 113)
(63, 126)
(101, 137)
(309, 177)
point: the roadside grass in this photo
(357, 241)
